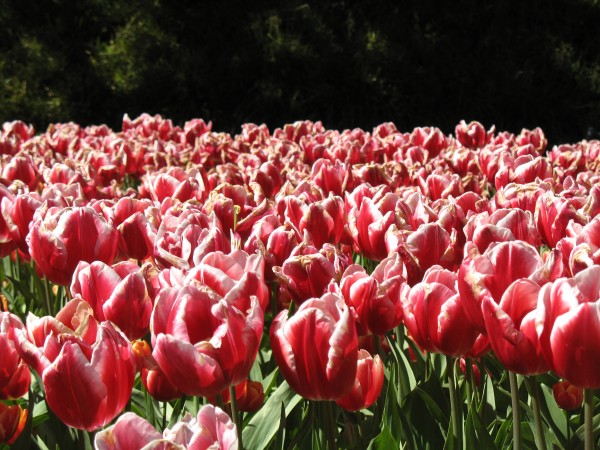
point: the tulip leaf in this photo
(554, 415)
(262, 428)
(476, 435)
(384, 441)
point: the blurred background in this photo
(515, 64)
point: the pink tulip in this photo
(211, 429)
(473, 135)
(201, 342)
(376, 297)
(434, 314)
(567, 323)
(14, 375)
(367, 385)
(317, 348)
(489, 274)
(117, 293)
(88, 370)
(510, 327)
(70, 235)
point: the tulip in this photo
(18, 215)
(368, 224)
(117, 293)
(567, 322)
(434, 314)
(185, 237)
(12, 422)
(317, 348)
(308, 274)
(211, 429)
(567, 395)
(67, 236)
(490, 273)
(510, 327)
(238, 272)
(202, 343)
(473, 135)
(367, 385)
(88, 378)
(153, 378)
(376, 297)
(14, 373)
(248, 394)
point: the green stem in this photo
(330, 430)
(164, 418)
(588, 409)
(516, 410)
(534, 392)
(47, 294)
(455, 412)
(235, 415)
(568, 430)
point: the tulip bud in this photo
(567, 395)
(12, 422)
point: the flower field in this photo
(168, 287)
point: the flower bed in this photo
(305, 288)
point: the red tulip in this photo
(237, 275)
(201, 342)
(136, 221)
(186, 236)
(335, 177)
(14, 373)
(18, 216)
(567, 395)
(88, 378)
(12, 422)
(510, 327)
(368, 224)
(317, 348)
(490, 273)
(553, 213)
(376, 297)
(211, 429)
(248, 394)
(568, 325)
(586, 249)
(367, 385)
(308, 274)
(473, 135)
(501, 226)
(434, 314)
(65, 237)
(117, 293)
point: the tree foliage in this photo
(349, 64)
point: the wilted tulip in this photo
(117, 293)
(211, 429)
(67, 236)
(367, 385)
(568, 325)
(567, 395)
(317, 348)
(88, 377)
(12, 422)
(14, 373)
(201, 342)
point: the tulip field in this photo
(176, 287)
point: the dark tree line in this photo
(349, 64)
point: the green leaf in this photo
(385, 440)
(262, 428)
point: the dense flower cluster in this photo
(474, 241)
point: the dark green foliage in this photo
(348, 64)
